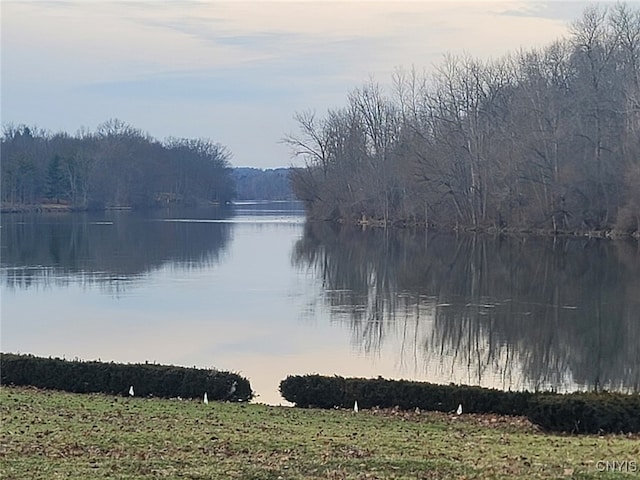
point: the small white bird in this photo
(206, 399)
(355, 407)
(131, 390)
(459, 410)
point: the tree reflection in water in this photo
(111, 250)
(507, 312)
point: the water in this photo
(253, 289)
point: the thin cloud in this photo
(201, 68)
(563, 11)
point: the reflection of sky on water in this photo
(250, 313)
(252, 221)
(244, 305)
(248, 309)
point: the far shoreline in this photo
(67, 208)
(363, 224)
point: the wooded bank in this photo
(114, 167)
(538, 140)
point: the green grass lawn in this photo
(53, 435)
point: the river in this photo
(254, 289)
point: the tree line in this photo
(544, 139)
(117, 165)
(257, 184)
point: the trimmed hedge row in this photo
(576, 413)
(604, 412)
(328, 392)
(115, 378)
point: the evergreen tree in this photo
(56, 181)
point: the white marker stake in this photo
(459, 410)
(355, 407)
(206, 399)
(131, 390)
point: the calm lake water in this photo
(253, 289)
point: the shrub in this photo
(115, 378)
(314, 391)
(327, 392)
(587, 412)
(573, 413)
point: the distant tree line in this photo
(545, 138)
(117, 165)
(258, 184)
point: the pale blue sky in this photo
(236, 71)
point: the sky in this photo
(236, 72)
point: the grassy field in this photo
(60, 435)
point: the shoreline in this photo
(66, 208)
(610, 234)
